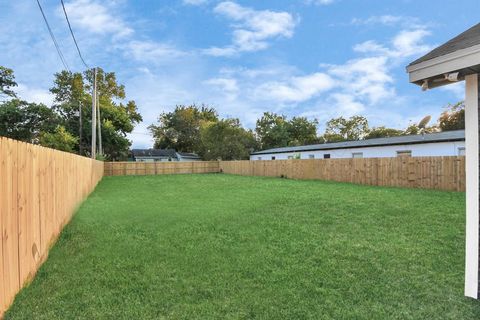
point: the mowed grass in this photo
(230, 247)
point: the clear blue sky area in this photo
(314, 58)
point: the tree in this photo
(7, 82)
(180, 129)
(302, 131)
(453, 118)
(341, 129)
(118, 118)
(25, 121)
(383, 132)
(60, 139)
(274, 130)
(226, 140)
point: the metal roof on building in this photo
(466, 39)
(154, 153)
(458, 135)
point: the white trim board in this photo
(460, 59)
(472, 186)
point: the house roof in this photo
(458, 135)
(448, 63)
(154, 153)
(188, 155)
(466, 39)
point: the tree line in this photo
(194, 128)
(200, 130)
(58, 126)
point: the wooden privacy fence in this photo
(443, 173)
(40, 189)
(149, 168)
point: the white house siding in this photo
(417, 150)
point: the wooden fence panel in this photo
(442, 173)
(40, 189)
(158, 168)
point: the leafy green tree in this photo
(227, 140)
(272, 131)
(383, 132)
(302, 131)
(341, 129)
(180, 129)
(275, 130)
(7, 82)
(72, 90)
(60, 139)
(25, 121)
(453, 118)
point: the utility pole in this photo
(100, 148)
(80, 146)
(94, 114)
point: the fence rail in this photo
(155, 168)
(442, 173)
(40, 189)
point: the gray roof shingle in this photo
(467, 39)
(457, 135)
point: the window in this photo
(311, 156)
(259, 158)
(357, 155)
(461, 151)
(404, 153)
(290, 157)
(326, 156)
(273, 158)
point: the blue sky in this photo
(315, 58)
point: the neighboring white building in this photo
(155, 155)
(449, 143)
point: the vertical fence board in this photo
(40, 189)
(160, 167)
(442, 173)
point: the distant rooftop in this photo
(458, 135)
(154, 153)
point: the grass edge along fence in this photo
(40, 189)
(441, 173)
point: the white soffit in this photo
(461, 59)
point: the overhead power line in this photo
(73, 36)
(62, 58)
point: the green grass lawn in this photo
(230, 247)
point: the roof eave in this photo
(458, 61)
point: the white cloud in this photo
(320, 2)
(410, 42)
(149, 51)
(195, 2)
(405, 44)
(252, 28)
(226, 84)
(388, 20)
(346, 104)
(96, 18)
(37, 95)
(365, 77)
(296, 89)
